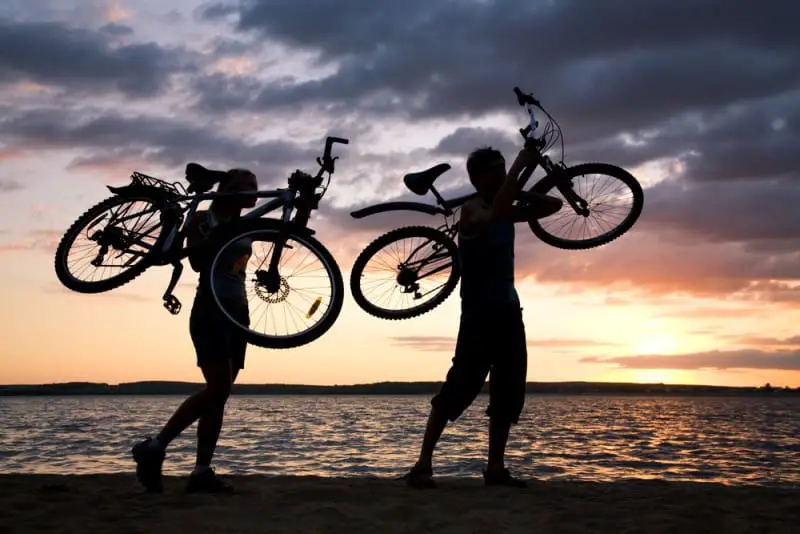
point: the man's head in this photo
(238, 180)
(486, 168)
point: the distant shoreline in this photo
(390, 388)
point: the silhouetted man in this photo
(491, 336)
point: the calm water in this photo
(730, 440)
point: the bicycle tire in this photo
(274, 227)
(380, 242)
(547, 183)
(126, 276)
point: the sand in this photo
(109, 503)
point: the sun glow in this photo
(656, 344)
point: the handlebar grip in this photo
(520, 96)
(523, 98)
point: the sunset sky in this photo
(700, 100)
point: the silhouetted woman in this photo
(220, 346)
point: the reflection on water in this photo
(730, 440)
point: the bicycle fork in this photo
(173, 250)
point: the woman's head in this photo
(237, 180)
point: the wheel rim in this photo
(128, 236)
(606, 198)
(403, 277)
(303, 295)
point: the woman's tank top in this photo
(229, 277)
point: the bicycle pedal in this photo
(172, 304)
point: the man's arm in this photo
(476, 216)
(534, 206)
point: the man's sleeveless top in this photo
(487, 269)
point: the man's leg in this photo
(437, 421)
(507, 398)
(499, 428)
(463, 383)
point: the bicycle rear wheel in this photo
(122, 234)
(602, 187)
(290, 308)
(426, 266)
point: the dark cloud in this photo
(160, 140)
(225, 46)
(720, 212)
(116, 30)
(788, 360)
(51, 53)
(711, 89)
(603, 68)
(464, 140)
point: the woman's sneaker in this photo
(149, 458)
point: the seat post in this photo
(440, 201)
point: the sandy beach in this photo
(106, 503)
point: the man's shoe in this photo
(206, 481)
(420, 478)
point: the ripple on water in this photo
(729, 440)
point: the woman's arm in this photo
(195, 239)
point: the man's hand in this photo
(526, 158)
(535, 206)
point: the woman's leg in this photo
(219, 378)
(150, 453)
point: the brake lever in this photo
(328, 165)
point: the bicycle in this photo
(158, 241)
(418, 268)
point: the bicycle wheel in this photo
(410, 273)
(123, 235)
(618, 184)
(305, 295)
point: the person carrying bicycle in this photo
(220, 346)
(491, 336)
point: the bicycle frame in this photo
(175, 195)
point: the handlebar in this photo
(326, 161)
(525, 98)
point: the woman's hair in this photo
(226, 184)
(231, 176)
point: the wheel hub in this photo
(111, 236)
(271, 288)
(406, 277)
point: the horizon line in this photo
(386, 382)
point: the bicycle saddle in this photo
(421, 182)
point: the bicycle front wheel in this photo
(288, 308)
(612, 197)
